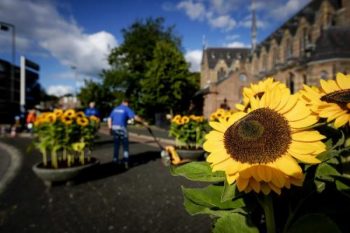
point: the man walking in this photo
(117, 123)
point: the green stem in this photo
(267, 205)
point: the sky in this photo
(71, 39)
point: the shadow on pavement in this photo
(105, 170)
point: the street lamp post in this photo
(5, 27)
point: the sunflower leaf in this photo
(210, 197)
(314, 223)
(320, 185)
(234, 222)
(326, 172)
(198, 171)
(229, 192)
(194, 209)
(327, 155)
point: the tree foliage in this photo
(148, 68)
(168, 84)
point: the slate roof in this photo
(309, 12)
(333, 43)
(213, 55)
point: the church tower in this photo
(254, 26)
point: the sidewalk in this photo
(142, 133)
(143, 199)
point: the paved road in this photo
(145, 198)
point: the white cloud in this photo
(284, 11)
(236, 44)
(195, 11)
(194, 57)
(247, 23)
(223, 22)
(59, 90)
(39, 25)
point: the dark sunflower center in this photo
(341, 97)
(262, 136)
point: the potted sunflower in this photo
(279, 164)
(189, 132)
(65, 140)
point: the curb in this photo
(15, 164)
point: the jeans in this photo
(120, 135)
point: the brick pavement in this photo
(145, 198)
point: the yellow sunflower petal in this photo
(265, 188)
(231, 178)
(305, 158)
(306, 122)
(217, 156)
(242, 183)
(292, 101)
(288, 165)
(329, 86)
(214, 135)
(343, 81)
(340, 121)
(213, 145)
(306, 147)
(300, 111)
(307, 136)
(278, 178)
(275, 189)
(264, 173)
(254, 185)
(219, 127)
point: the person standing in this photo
(117, 123)
(92, 110)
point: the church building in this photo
(313, 44)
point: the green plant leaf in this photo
(314, 223)
(327, 155)
(198, 171)
(234, 223)
(229, 192)
(194, 209)
(320, 185)
(326, 172)
(210, 196)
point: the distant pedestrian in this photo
(117, 123)
(92, 110)
(30, 119)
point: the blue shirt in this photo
(91, 112)
(120, 115)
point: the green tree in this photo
(101, 94)
(168, 84)
(128, 61)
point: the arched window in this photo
(243, 77)
(221, 73)
(288, 49)
(275, 56)
(290, 82)
(324, 75)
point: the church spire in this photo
(254, 26)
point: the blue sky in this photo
(61, 34)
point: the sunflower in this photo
(332, 100)
(258, 90)
(94, 118)
(70, 113)
(50, 118)
(260, 150)
(176, 118)
(67, 120)
(185, 119)
(82, 121)
(80, 114)
(58, 112)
